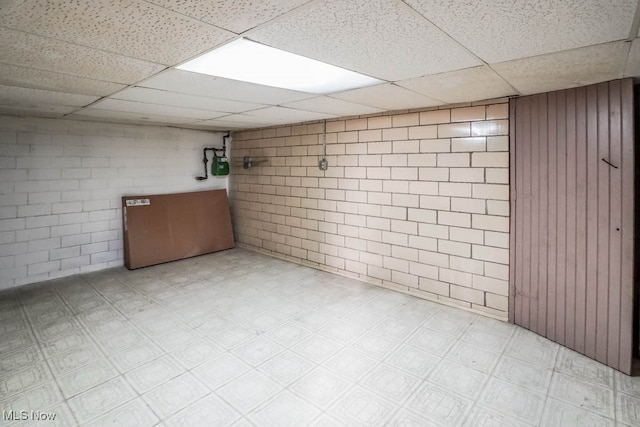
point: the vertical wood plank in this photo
(615, 215)
(542, 199)
(551, 216)
(561, 216)
(570, 223)
(521, 114)
(513, 233)
(534, 203)
(524, 135)
(525, 204)
(581, 217)
(517, 248)
(592, 220)
(603, 223)
(627, 230)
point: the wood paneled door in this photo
(572, 195)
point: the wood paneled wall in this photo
(572, 218)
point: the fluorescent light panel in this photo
(256, 63)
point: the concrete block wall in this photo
(60, 187)
(416, 201)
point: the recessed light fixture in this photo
(253, 62)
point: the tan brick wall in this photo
(415, 201)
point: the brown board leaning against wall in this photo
(168, 227)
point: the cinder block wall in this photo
(414, 201)
(60, 187)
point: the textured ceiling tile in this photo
(501, 30)
(324, 104)
(633, 63)
(562, 70)
(129, 27)
(126, 117)
(41, 110)
(277, 115)
(155, 96)
(241, 119)
(233, 15)
(21, 96)
(217, 87)
(471, 84)
(379, 38)
(387, 97)
(159, 110)
(12, 75)
(223, 124)
(28, 50)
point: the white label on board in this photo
(138, 202)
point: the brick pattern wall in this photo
(415, 201)
(61, 183)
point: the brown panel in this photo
(592, 220)
(532, 208)
(522, 118)
(175, 226)
(512, 210)
(581, 217)
(552, 286)
(603, 223)
(543, 204)
(627, 231)
(615, 209)
(572, 218)
(561, 215)
(525, 204)
(570, 222)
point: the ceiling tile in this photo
(241, 119)
(277, 115)
(127, 117)
(160, 110)
(37, 110)
(40, 103)
(128, 27)
(28, 50)
(633, 62)
(324, 104)
(471, 84)
(217, 87)
(21, 96)
(387, 97)
(233, 15)
(222, 124)
(562, 70)
(501, 30)
(379, 38)
(12, 75)
(156, 96)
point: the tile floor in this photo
(238, 338)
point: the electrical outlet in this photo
(323, 165)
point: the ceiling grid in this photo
(115, 60)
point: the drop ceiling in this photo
(114, 60)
